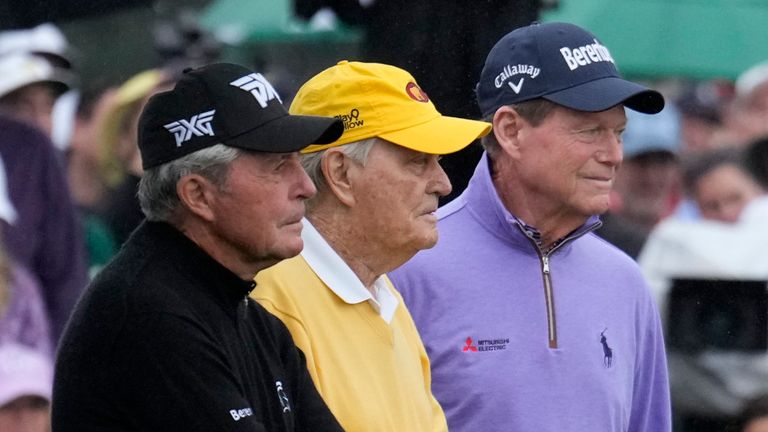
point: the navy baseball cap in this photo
(228, 104)
(562, 63)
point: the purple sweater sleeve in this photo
(46, 237)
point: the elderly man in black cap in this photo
(165, 338)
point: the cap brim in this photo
(24, 372)
(604, 93)
(289, 133)
(441, 135)
(60, 84)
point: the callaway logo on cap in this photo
(562, 63)
(225, 104)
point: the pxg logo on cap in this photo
(225, 104)
(200, 124)
(562, 63)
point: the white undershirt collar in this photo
(340, 278)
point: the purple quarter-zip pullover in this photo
(522, 340)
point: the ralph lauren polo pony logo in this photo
(607, 351)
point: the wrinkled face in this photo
(258, 212)
(397, 192)
(724, 192)
(568, 162)
(32, 104)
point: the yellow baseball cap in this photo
(378, 100)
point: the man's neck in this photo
(549, 220)
(222, 252)
(349, 244)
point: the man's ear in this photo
(506, 127)
(336, 166)
(197, 193)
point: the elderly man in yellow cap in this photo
(378, 188)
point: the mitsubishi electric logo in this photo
(258, 86)
(198, 125)
(482, 345)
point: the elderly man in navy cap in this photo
(532, 322)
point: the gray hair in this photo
(534, 111)
(357, 151)
(157, 188)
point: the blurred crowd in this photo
(70, 167)
(689, 204)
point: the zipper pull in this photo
(245, 307)
(545, 263)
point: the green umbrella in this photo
(698, 39)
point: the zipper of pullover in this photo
(549, 294)
(549, 297)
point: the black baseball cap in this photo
(560, 62)
(224, 103)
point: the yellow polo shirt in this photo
(363, 352)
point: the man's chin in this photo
(428, 240)
(289, 248)
(295, 248)
(283, 254)
(598, 205)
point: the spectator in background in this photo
(701, 106)
(720, 184)
(23, 315)
(41, 72)
(25, 347)
(180, 43)
(29, 87)
(119, 159)
(709, 387)
(46, 41)
(46, 238)
(745, 116)
(647, 186)
(25, 390)
(89, 190)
